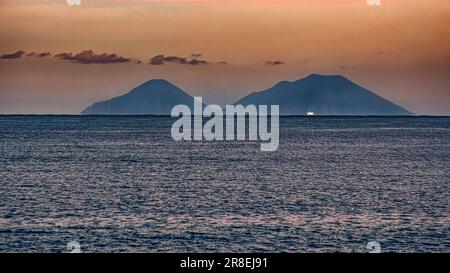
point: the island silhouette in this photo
(320, 94)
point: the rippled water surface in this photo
(121, 184)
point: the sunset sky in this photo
(220, 49)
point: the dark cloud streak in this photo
(16, 55)
(39, 55)
(161, 60)
(197, 62)
(89, 57)
(273, 63)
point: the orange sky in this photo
(400, 50)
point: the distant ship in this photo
(310, 114)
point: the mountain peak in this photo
(157, 83)
(324, 77)
(324, 95)
(153, 97)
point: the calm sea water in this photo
(121, 184)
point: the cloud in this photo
(43, 54)
(64, 56)
(278, 62)
(196, 55)
(16, 55)
(89, 57)
(197, 62)
(161, 59)
(157, 60)
(39, 55)
(175, 59)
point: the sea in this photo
(122, 184)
